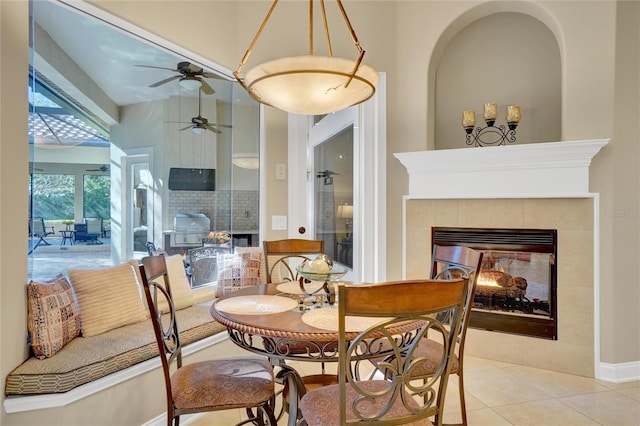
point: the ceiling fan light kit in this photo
(190, 76)
(190, 83)
(308, 84)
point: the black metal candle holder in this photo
(491, 135)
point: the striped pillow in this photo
(53, 319)
(108, 298)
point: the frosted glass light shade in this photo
(311, 85)
(246, 160)
(190, 83)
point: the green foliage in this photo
(53, 196)
(97, 196)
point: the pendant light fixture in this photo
(309, 84)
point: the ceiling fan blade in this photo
(188, 127)
(157, 68)
(206, 89)
(166, 80)
(212, 129)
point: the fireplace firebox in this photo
(517, 286)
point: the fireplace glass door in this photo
(516, 287)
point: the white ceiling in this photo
(108, 57)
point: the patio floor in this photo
(48, 261)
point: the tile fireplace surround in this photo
(543, 185)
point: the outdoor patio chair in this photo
(38, 230)
(94, 229)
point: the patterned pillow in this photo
(276, 275)
(236, 271)
(108, 298)
(53, 319)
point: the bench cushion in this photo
(85, 359)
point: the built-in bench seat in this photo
(86, 359)
(70, 382)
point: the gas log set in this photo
(500, 291)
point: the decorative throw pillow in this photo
(53, 319)
(180, 287)
(236, 271)
(108, 298)
(276, 274)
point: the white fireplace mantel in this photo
(551, 169)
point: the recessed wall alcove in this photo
(506, 57)
(531, 186)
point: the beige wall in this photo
(599, 46)
(13, 175)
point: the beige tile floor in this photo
(498, 393)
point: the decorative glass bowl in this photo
(336, 272)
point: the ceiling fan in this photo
(190, 77)
(102, 169)
(199, 124)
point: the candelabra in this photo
(491, 135)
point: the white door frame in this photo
(370, 206)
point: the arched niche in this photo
(502, 56)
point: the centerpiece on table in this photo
(217, 239)
(68, 223)
(321, 269)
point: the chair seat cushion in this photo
(432, 351)
(222, 384)
(321, 406)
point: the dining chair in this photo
(212, 385)
(395, 398)
(281, 256)
(450, 262)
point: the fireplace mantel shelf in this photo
(551, 169)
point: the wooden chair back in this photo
(398, 399)
(281, 256)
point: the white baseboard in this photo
(620, 373)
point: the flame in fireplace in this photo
(486, 281)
